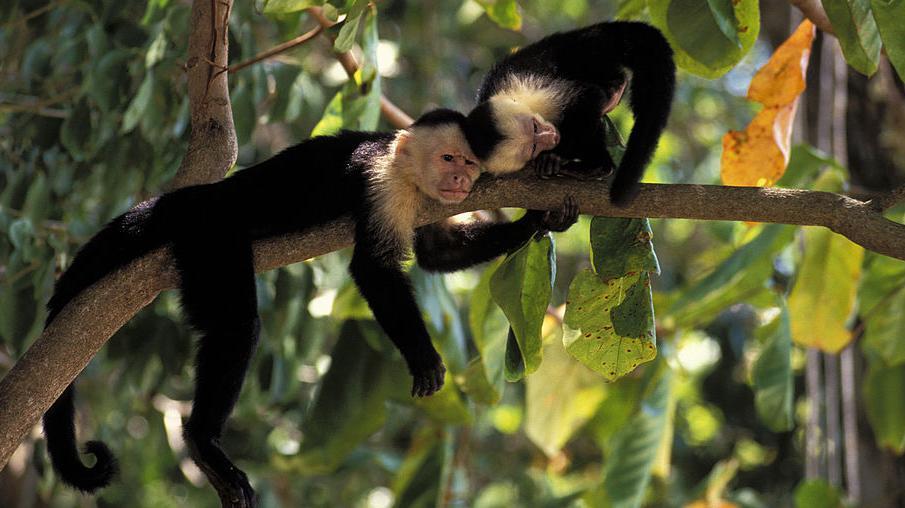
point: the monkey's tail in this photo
(650, 59)
(124, 239)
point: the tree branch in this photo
(83, 326)
(279, 48)
(212, 146)
(813, 11)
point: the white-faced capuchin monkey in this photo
(550, 95)
(381, 179)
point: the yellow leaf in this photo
(757, 156)
(825, 291)
(781, 80)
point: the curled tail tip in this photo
(89, 479)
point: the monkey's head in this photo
(439, 160)
(506, 134)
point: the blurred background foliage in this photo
(94, 119)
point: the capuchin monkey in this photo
(549, 97)
(380, 179)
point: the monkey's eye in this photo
(447, 157)
(469, 162)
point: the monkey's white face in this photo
(525, 135)
(445, 167)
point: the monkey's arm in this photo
(389, 294)
(441, 247)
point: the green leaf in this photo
(157, 50)
(805, 161)
(441, 315)
(484, 380)
(708, 38)
(857, 33)
(139, 104)
(108, 81)
(504, 13)
(347, 32)
(287, 6)
(37, 199)
(882, 303)
(349, 405)
(521, 287)
(630, 9)
(889, 15)
(632, 452)
(771, 375)
(885, 405)
(622, 247)
(556, 410)
(589, 325)
(740, 276)
(817, 494)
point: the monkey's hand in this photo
(428, 373)
(561, 219)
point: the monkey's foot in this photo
(547, 165)
(427, 375)
(563, 218)
(231, 483)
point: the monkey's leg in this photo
(218, 295)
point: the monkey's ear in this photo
(403, 138)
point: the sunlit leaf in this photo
(759, 154)
(817, 493)
(287, 6)
(521, 287)
(771, 375)
(349, 29)
(698, 33)
(856, 30)
(441, 315)
(590, 333)
(889, 15)
(503, 12)
(885, 405)
(559, 398)
(782, 79)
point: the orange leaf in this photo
(781, 80)
(757, 156)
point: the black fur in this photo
(593, 60)
(211, 229)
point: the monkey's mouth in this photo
(453, 196)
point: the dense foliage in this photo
(619, 387)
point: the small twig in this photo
(35, 13)
(396, 116)
(280, 48)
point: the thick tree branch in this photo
(88, 321)
(212, 146)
